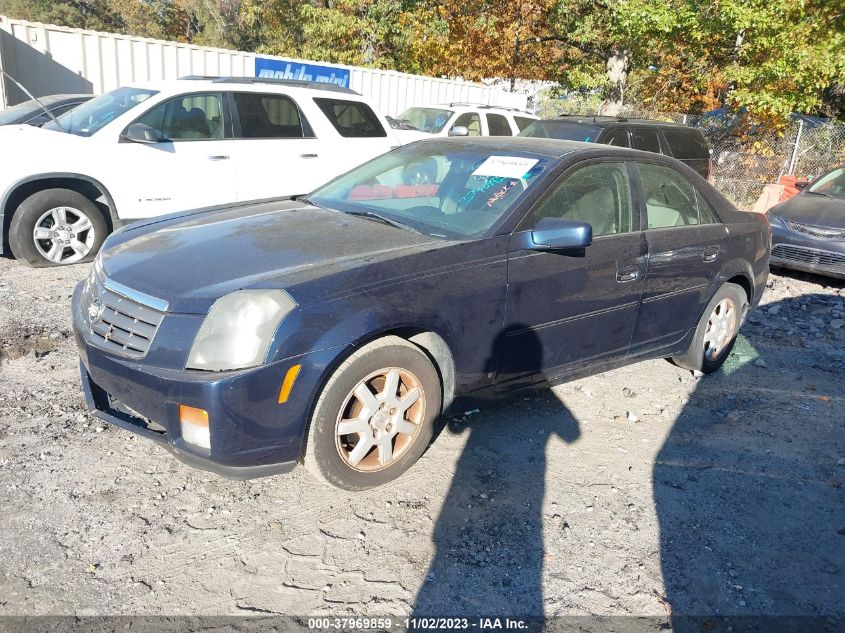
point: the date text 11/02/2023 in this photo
(421, 623)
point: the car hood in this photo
(808, 208)
(409, 136)
(27, 149)
(192, 260)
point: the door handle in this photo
(216, 158)
(627, 274)
(309, 155)
(710, 253)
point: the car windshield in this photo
(563, 130)
(426, 119)
(442, 189)
(100, 111)
(10, 115)
(832, 184)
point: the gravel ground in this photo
(642, 491)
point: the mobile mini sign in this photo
(283, 69)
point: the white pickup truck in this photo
(148, 149)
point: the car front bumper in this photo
(798, 251)
(251, 433)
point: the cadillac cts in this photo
(334, 329)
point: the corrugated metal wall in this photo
(51, 59)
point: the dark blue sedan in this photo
(335, 328)
(808, 230)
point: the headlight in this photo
(775, 219)
(239, 329)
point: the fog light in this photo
(194, 426)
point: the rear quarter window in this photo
(523, 122)
(686, 143)
(352, 119)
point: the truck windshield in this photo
(100, 111)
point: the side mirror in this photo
(801, 185)
(554, 234)
(142, 133)
(459, 130)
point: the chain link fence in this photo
(745, 157)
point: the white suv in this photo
(454, 118)
(144, 150)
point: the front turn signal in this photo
(287, 383)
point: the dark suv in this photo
(679, 141)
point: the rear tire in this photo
(717, 330)
(375, 416)
(56, 227)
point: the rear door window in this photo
(686, 143)
(352, 119)
(498, 125)
(670, 198)
(270, 116)
(617, 136)
(645, 139)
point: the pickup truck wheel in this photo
(716, 332)
(375, 416)
(56, 227)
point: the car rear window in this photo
(686, 143)
(351, 119)
(498, 125)
(563, 130)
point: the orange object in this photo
(287, 383)
(789, 188)
(192, 415)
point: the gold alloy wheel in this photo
(380, 419)
(721, 327)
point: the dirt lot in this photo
(634, 492)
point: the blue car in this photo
(808, 230)
(333, 329)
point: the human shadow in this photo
(747, 489)
(488, 537)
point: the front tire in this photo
(717, 330)
(375, 415)
(56, 227)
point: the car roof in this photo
(245, 84)
(462, 105)
(550, 147)
(605, 121)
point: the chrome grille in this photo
(121, 320)
(817, 231)
(808, 256)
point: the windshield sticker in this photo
(488, 183)
(501, 193)
(505, 166)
